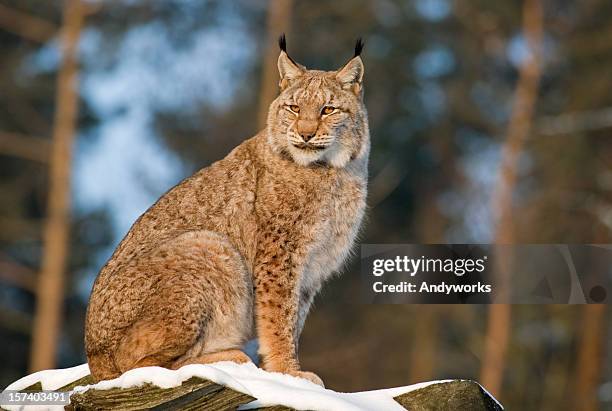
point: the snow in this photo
(51, 379)
(269, 388)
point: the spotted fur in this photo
(239, 250)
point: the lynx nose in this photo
(307, 136)
(307, 129)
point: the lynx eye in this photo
(294, 108)
(328, 110)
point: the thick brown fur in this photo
(239, 250)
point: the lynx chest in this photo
(334, 232)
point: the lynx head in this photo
(319, 116)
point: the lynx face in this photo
(319, 116)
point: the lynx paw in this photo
(307, 375)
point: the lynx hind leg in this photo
(202, 304)
(102, 367)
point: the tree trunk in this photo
(423, 356)
(50, 293)
(279, 20)
(590, 357)
(498, 327)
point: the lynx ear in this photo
(351, 75)
(287, 68)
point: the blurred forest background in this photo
(491, 122)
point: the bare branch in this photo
(25, 114)
(25, 147)
(25, 25)
(19, 228)
(17, 275)
(570, 123)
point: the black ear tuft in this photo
(282, 42)
(358, 47)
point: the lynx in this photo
(238, 250)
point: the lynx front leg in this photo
(276, 281)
